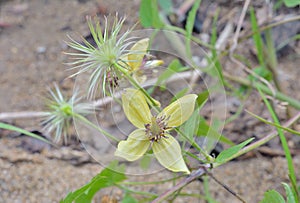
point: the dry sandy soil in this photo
(32, 35)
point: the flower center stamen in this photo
(156, 129)
(113, 79)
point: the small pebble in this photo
(41, 49)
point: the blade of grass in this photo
(149, 14)
(257, 38)
(261, 141)
(285, 146)
(189, 27)
(272, 64)
(273, 124)
(289, 193)
(278, 95)
(207, 193)
(215, 58)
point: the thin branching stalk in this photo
(194, 175)
(226, 187)
(238, 29)
(271, 25)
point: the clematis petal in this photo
(153, 63)
(136, 108)
(168, 153)
(137, 53)
(180, 110)
(139, 77)
(134, 147)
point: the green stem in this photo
(25, 132)
(86, 121)
(193, 156)
(136, 85)
(194, 144)
(184, 32)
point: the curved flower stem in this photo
(194, 144)
(136, 85)
(86, 121)
(194, 175)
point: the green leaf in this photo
(272, 196)
(227, 153)
(202, 98)
(174, 67)
(145, 162)
(289, 193)
(263, 72)
(291, 3)
(190, 127)
(149, 14)
(114, 173)
(166, 6)
(22, 131)
(190, 25)
(128, 199)
(179, 94)
(204, 129)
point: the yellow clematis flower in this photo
(135, 61)
(154, 130)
